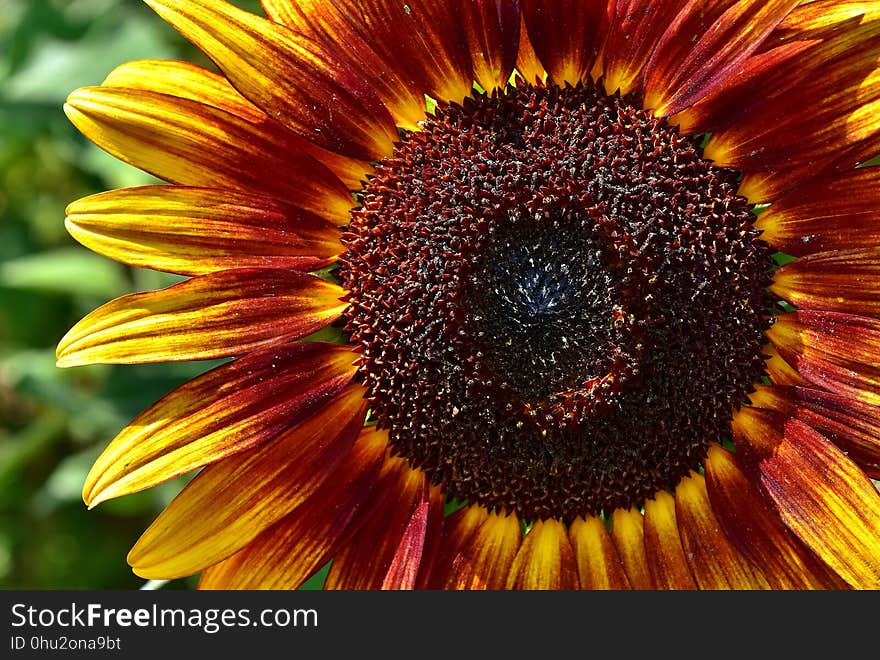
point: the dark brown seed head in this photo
(559, 302)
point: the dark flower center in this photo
(559, 303)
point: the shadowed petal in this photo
(492, 31)
(819, 493)
(838, 281)
(566, 36)
(188, 81)
(234, 407)
(851, 425)
(704, 45)
(635, 29)
(545, 559)
(837, 352)
(389, 533)
(836, 213)
(193, 144)
(302, 84)
(628, 532)
(288, 553)
(413, 551)
(229, 503)
(663, 548)
(599, 566)
(221, 314)
(193, 231)
(756, 530)
(714, 560)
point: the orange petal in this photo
(841, 281)
(837, 213)
(545, 559)
(628, 532)
(492, 31)
(714, 560)
(599, 566)
(820, 494)
(229, 503)
(293, 549)
(193, 231)
(663, 548)
(485, 561)
(299, 82)
(193, 144)
(188, 81)
(221, 314)
(780, 371)
(234, 407)
(838, 352)
(823, 17)
(851, 425)
(635, 29)
(756, 530)
(367, 561)
(566, 36)
(707, 42)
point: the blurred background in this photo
(55, 422)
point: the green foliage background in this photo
(54, 422)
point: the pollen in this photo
(559, 303)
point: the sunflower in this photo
(550, 294)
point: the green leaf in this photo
(65, 271)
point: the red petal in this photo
(842, 281)
(836, 213)
(566, 35)
(837, 352)
(635, 29)
(851, 425)
(708, 41)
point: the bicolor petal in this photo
(836, 352)
(217, 315)
(193, 144)
(235, 407)
(194, 231)
(288, 553)
(757, 531)
(231, 502)
(299, 82)
(566, 36)
(820, 494)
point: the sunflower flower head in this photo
(541, 243)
